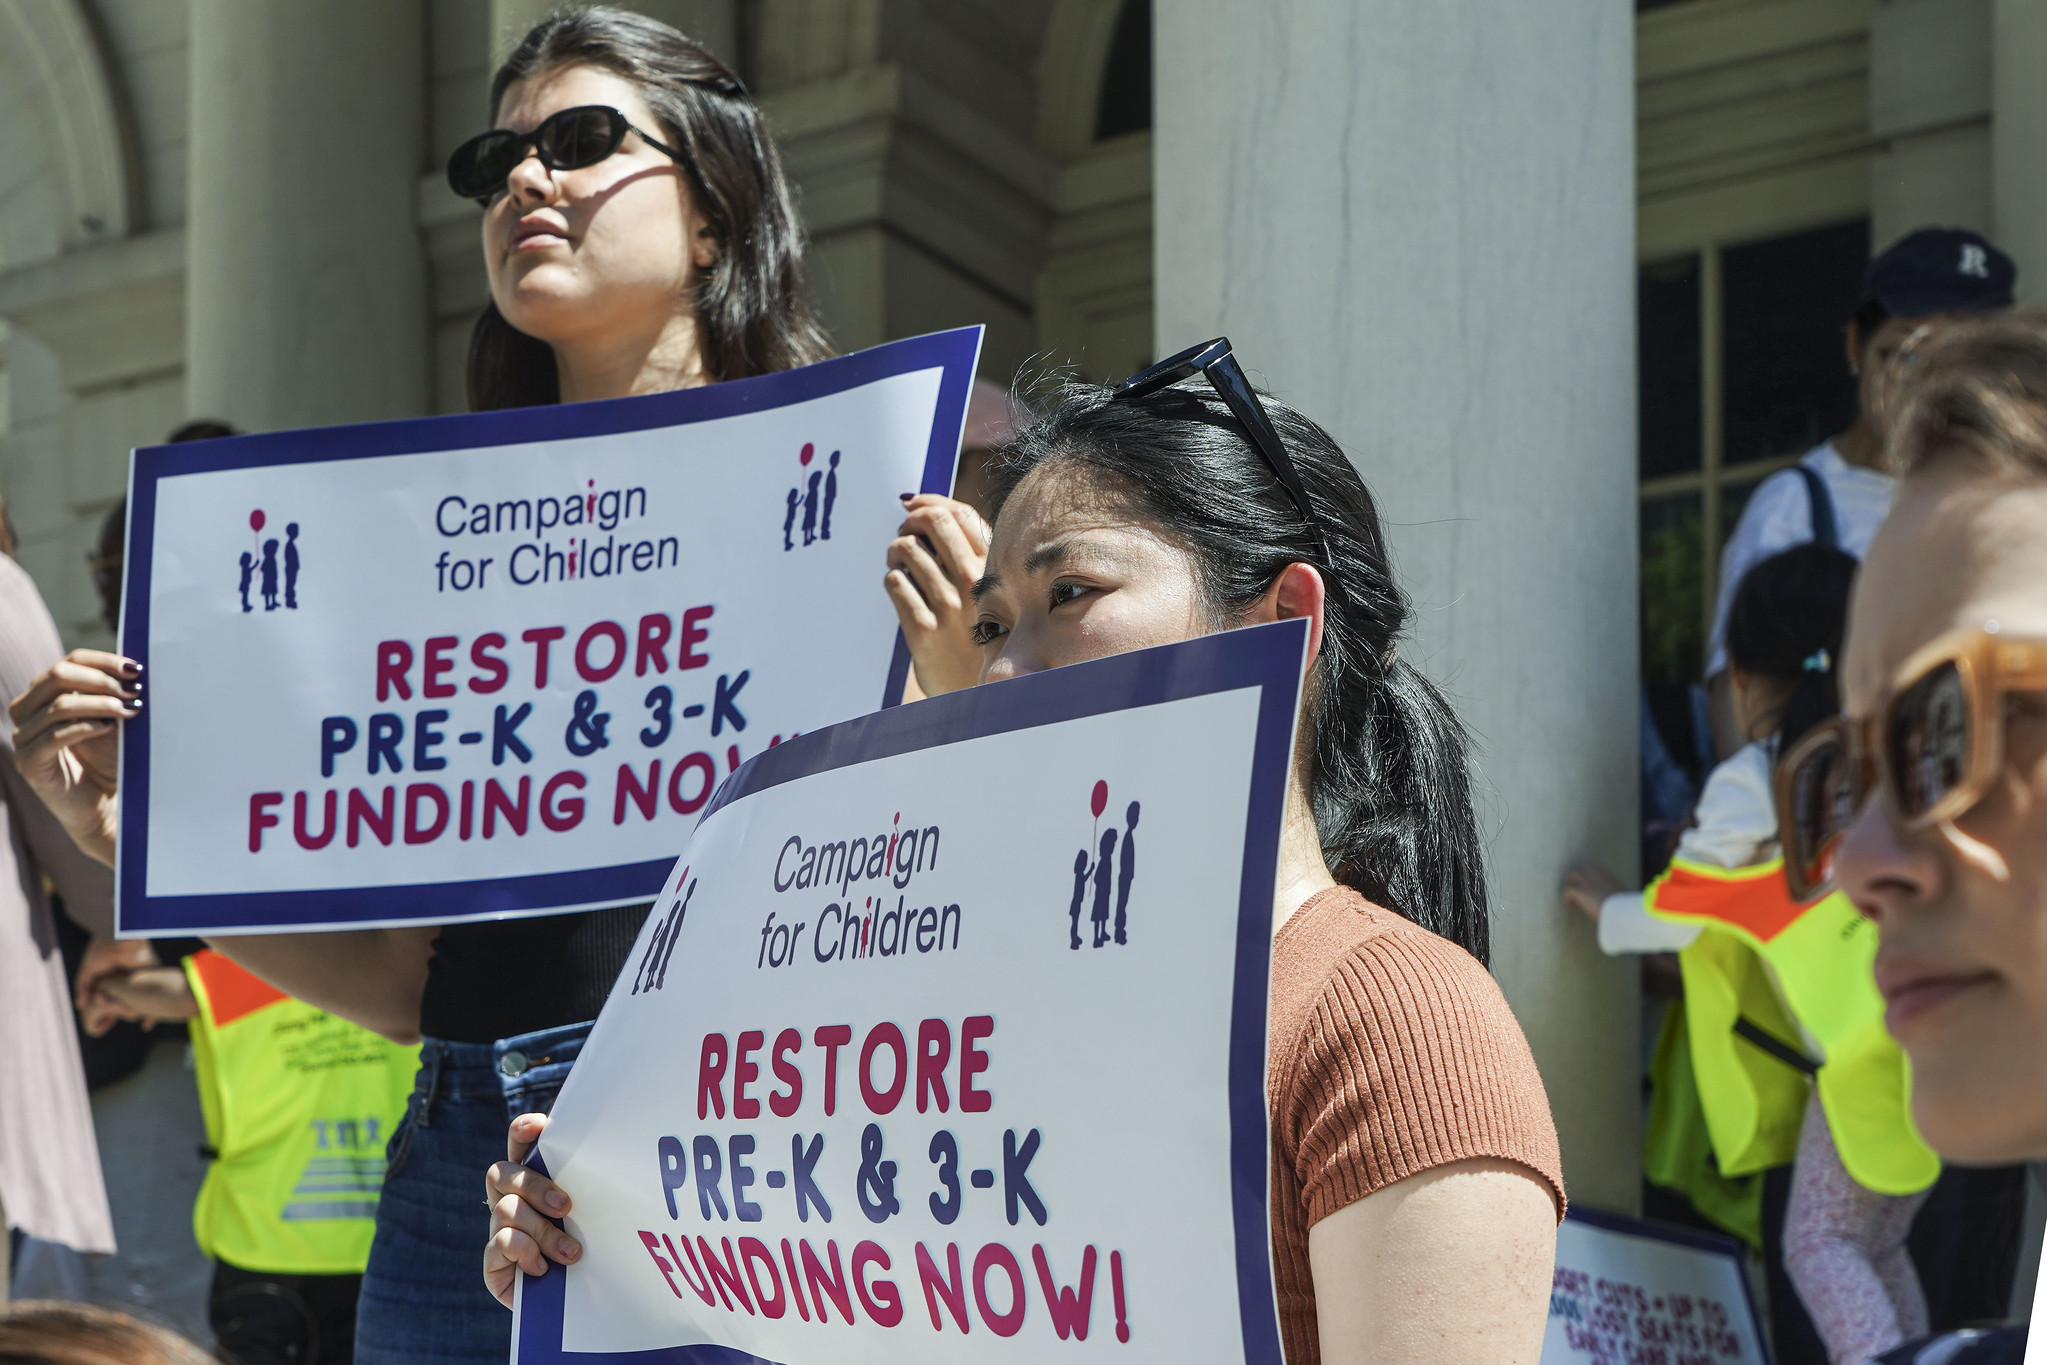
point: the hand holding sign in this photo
(66, 733)
(939, 552)
(521, 1238)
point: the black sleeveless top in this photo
(506, 977)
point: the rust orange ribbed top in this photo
(1392, 1052)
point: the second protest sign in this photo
(948, 1033)
(488, 665)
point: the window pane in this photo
(1733, 498)
(1673, 589)
(1784, 303)
(1667, 337)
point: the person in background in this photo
(298, 1104)
(34, 1332)
(1839, 1243)
(1838, 492)
(993, 416)
(50, 1182)
(1963, 1242)
(1926, 802)
(640, 237)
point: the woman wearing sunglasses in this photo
(1927, 801)
(639, 236)
(1416, 1183)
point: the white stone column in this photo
(307, 284)
(1929, 113)
(1415, 219)
(2018, 139)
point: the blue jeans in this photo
(423, 1300)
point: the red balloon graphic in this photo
(808, 451)
(1101, 799)
(256, 520)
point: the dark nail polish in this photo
(906, 496)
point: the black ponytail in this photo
(1786, 623)
(1390, 784)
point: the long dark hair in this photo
(752, 315)
(1390, 784)
(1786, 623)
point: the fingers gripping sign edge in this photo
(526, 1206)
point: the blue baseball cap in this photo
(1940, 270)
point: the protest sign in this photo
(1648, 1294)
(489, 665)
(948, 1037)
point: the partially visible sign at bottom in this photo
(1633, 1293)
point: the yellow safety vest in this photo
(298, 1107)
(1746, 1046)
(1677, 1148)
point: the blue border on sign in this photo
(1696, 1239)
(1268, 657)
(955, 353)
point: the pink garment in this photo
(49, 1161)
(1844, 1247)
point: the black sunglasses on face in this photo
(567, 141)
(1214, 361)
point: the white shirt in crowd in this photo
(1779, 516)
(1736, 818)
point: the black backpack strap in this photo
(1825, 530)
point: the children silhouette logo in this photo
(812, 498)
(653, 971)
(275, 576)
(1099, 868)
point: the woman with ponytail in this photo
(1840, 1245)
(1416, 1183)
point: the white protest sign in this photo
(495, 664)
(1628, 1292)
(947, 1039)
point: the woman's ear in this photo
(1297, 591)
(704, 246)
